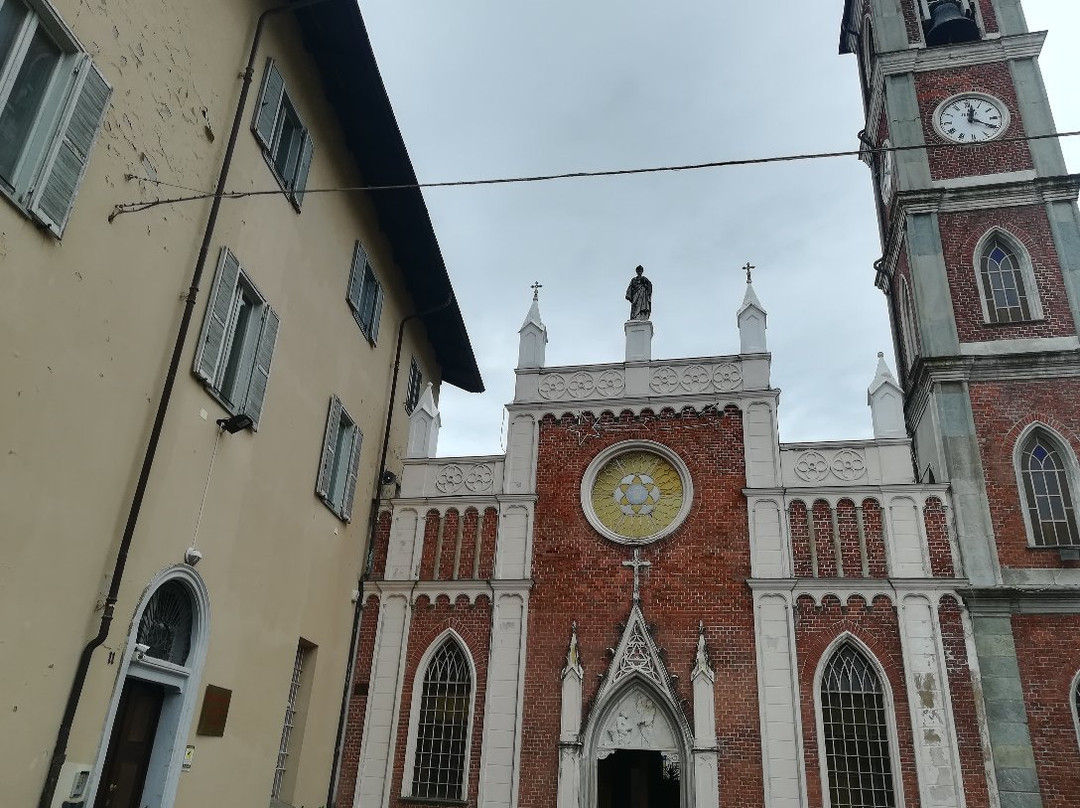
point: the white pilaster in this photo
(573, 676)
(639, 334)
(706, 765)
(424, 426)
(886, 401)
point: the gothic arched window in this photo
(1075, 696)
(442, 728)
(1006, 291)
(166, 624)
(855, 732)
(1047, 495)
(908, 333)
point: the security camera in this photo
(192, 556)
(140, 651)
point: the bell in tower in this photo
(950, 24)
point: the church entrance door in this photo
(633, 778)
(130, 746)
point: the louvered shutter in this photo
(356, 277)
(260, 370)
(377, 315)
(266, 111)
(218, 309)
(326, 464)
(349, 494)
(307, 149)
(59, 181)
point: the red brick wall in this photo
(354, 729)
(962, 693)
(382, 545)
(698, 573)
(989, 16)
(1048, 650)
(961, 233)
(936, 524)
(1002, 410)
(876, 626)
(429, 620)
(848, 528)
(912, 21)
(989, 158)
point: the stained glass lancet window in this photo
(442, 729)
(856, 736)
(1003, 283)
(1049, 501)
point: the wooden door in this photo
(130, 746)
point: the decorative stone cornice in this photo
(1008, 600)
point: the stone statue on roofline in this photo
(639, 293)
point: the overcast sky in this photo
(487, 88)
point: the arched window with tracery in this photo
(442, 725)
(1006, 291)
(855, 732)
(165, 627)
(1047, 494)
(908, 330)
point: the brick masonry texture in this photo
(961, 233)
(429, 621)
(846, 527)
(354, 729)
(1048, 649)
(937, 538)
(1002, 410)
(875, 625)
(698, 573)
(987, 158)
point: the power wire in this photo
(136, 207)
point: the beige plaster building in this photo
(218, 681)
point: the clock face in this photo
(636, 496)
(971, 118)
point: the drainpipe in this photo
(373, 514)
(59, 753)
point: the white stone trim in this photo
(1074, 703)
(986, 179)
(409, 764)
(1072, 474)
(166, 763)
(981, 719)
(890, 717)
(1019, 346)
(1027, 271)
(598, 462)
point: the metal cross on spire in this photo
(749, 268)
(536, 287)
(637, 564)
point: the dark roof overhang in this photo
(845, 27)
(335, 35)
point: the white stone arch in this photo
(847, 638)
(594, 743)
(408, 769)
(180, 683)
(909, 329)
(1074, 703)
(1072, 470)
(1023, 259)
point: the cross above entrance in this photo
(749, 268)
(536, 287)
(637, 564)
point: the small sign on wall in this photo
(189, 756)
(215, 710)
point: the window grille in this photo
(856, 737)
(442, 729)
(416, 381)
(290, 722)
(166, 624)
(1046, 487)
(1003, 284)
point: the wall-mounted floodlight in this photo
(236, 423)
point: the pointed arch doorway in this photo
(637, 778)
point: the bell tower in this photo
(981, 267)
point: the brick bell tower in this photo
(981, 266)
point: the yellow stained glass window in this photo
(637, 494)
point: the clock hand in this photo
(984, 123)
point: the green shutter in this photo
(260, 370)
(307, 149)
(356, 277)
(349, 494)
(266, 111)
(326, 462)
(377, 314)
(216, 321)
(55, 189)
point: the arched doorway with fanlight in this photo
(145, 732)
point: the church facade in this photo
(649, 599)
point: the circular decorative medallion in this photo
(636, 493)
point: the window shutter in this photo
(55, 190)
(307, 149)
(374, 335)
(326, 465)
(212, 340)
(260, 371)
(266, 111)
(349, 493)
(356, 277)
